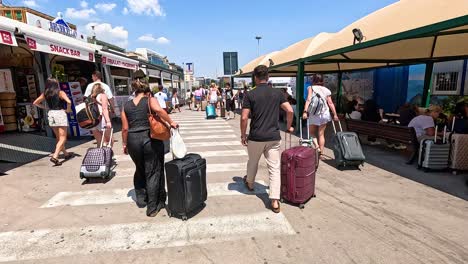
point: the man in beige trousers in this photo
(263, 103)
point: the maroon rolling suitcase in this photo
(298, 167)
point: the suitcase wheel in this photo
(169, 214)
(301, 206)
(454, 172)
(81, 175)
(313, 196)
(281, 200)
(184, 218)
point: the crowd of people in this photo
(423, 120)
(218, 97)
(262, 105)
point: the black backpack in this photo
(87, 114)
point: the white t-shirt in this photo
(107, 90)
(324, 92)
(420, 123)
(162, 98)
(356, 115)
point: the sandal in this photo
(55, 161)
(247, 185)
(276, 210)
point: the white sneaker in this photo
(391, 146)
(400, 147)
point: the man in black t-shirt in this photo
(263, 103)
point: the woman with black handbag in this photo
(145, 146)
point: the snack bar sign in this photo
(7, 38)
(119, 62)
(59, 49)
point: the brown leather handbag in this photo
(159, 129)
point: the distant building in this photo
(22, 14)
(153, 57)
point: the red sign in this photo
(120, 62)
(60, 49)
(31, 43)
(7, 38)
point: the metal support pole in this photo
(339, 93)
(426, 98)
(299, 92)
(463, 87)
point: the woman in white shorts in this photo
(319, 121)
(101, 98)
(57, 117)
(214, 95)
(175, 99)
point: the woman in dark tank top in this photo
(57, 116)
(146, 153)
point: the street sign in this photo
(230, 63)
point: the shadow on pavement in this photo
(260, 190)
(394, 161)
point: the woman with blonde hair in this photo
(99, 95)
(57, 116)
(424, 125)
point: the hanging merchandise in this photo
(28, 117)
(73, 91)
(6, 81)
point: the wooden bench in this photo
(393, 133)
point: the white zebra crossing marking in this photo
(52, 243)
(209, 132)
(213, 144)
(211, 168)
(208, 128)
(203, 154)
(118, 196)
(210, 137)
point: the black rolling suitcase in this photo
(186, 185)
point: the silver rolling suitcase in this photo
(434, 154)
(347, 149)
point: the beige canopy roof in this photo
(406, 32)
(262, 60)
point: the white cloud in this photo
(83, 14)
(163, 40)
(84, 4)
(114, 35)
(105, 7)
(150, 38)
(30, 3)
(145, 7)
(125, 11)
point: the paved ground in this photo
(368, 216)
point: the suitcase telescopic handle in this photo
(334, 127)
(307, 127)
(102, 138)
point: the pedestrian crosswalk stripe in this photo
(203, 124)
(210, 137)
(210, 168)
(199, 121)
(206, 132)
(209, 128)
(75, 241)
(212, 144)
(118, 196)
(222, 153)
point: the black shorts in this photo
(230, 106)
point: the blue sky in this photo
(199, 31)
